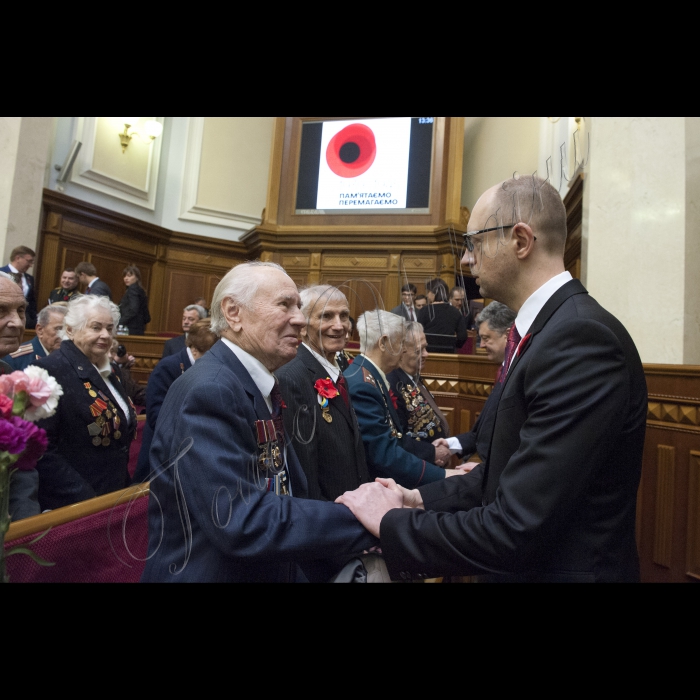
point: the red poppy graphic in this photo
(352, 151)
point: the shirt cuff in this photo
(454, 445)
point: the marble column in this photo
(24, 164)
(641, 252)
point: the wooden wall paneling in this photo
(665, 489)
(183, 288)
(465, 422)
(693, 546)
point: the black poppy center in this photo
(349, 153)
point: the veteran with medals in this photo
(221, 459)
(92, 430)
(421, 419)
(319, 419)
(390, 453)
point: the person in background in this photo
(49, 334)
(444, 325)
(122, 363)
(319, 418)
(87, 275)
(21, 261)
(68, 289)
(203, 303)
(421, 302)
(90, 434)
(406, 308)
(24, 485)
(190, 315)
(134, 304)
(495, 322)
(200, 340)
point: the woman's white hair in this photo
(241, 285)
(80, 309)
(374, 325)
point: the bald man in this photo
(556, 500)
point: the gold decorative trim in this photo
(665, 487)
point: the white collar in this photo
(381, 374)
(332, 368)
(93, 282)
(106, 371)
(532, 307)
(191, 356)
(261, 376)
(14, 270)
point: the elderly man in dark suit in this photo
(21, 261)
(24, 485)
(49, 328)
(190, 316)
(556, 500)
(319, 416)
(222, 460)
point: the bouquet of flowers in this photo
(25, 397)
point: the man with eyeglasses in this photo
(556, 499)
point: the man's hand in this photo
(443, 454)
(455, 472)
(370, 503)
(467, 467)
(441, 443)
(411, 499)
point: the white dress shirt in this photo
(332, 369)
(261, 376)
(106, 374)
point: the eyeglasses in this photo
(469, 237)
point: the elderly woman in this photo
(390, 453)
(90, 435)
(134, 304)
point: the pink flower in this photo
(38, 390)
(6, 406)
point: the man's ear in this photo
(232, 314)
(524, 240)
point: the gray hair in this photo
(79, 309)
(4, 275)
(241, 285)
(499, 317)
(374, 325)
(44, 317)
(199, 309)
(311, 296)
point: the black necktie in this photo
(18, 279)
(343, 389)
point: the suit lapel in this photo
(569, 290)
(381, 385)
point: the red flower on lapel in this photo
(524, 344)
(326, 389)
(394, 400)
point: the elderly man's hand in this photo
(370, 503)
(411, 499)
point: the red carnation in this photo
(6, 406)
(394, 400)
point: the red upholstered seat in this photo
(106, 546)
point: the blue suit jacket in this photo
(387, 456)
(24, 359)
(160, 381)
(211, 517)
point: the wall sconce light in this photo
(152, 130)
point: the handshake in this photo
(443, 455)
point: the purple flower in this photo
(37, 443)
(13, 436)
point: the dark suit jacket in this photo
(73, 469)
(100, 289)
(25, 356)
(445, 328)
(134, 310)
(402, 311)
(174, 346)
(331, 454)
(387, 456)
(160, 381)
(478, 441)
(236, 530)
(32, 310)
(557, 499)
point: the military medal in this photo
(326, 391)
(107, 421)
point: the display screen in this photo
(366, 166)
